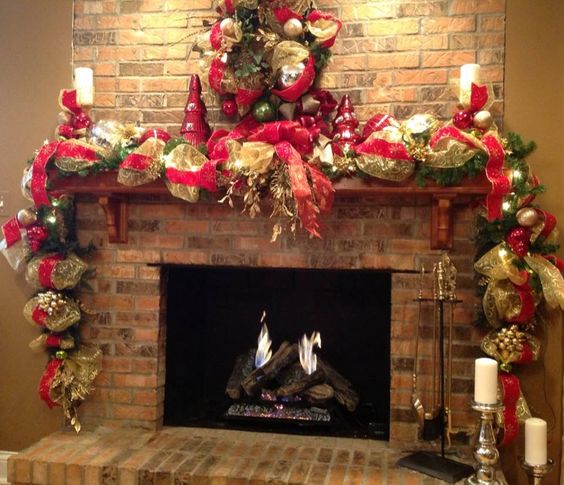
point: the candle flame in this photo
(264, 353)
(307, 358)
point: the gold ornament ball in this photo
(227, 26)
(293, 28)
(288, 75)
(483, 120)
(26, 217)
(527, 217)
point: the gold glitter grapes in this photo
(509, 340)
(51, 302)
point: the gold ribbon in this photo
(497, 264)
(255, 156)
(551, 280)
(186, 158)
(288, 53)
(323, 29)
(66, 273)
(63, 318)
(149, 155)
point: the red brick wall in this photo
(397, 57)
(361, 233)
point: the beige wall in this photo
(35, 55)
(534, 107)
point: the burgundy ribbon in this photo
(45, 269)
(38, 185)
(46, 381)
(494, 171)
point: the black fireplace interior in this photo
(213, 316)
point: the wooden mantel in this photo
(114, 197)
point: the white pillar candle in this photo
(535, 441)
(84, 85)
(469, 73)
(485, 381)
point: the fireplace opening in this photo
(214, 316)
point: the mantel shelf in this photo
(114, 198)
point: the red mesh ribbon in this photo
(11, 231)
(68, 101)
(53, 340)
(215, 75)
(216, 145)
(46, 381)
(45, 270)
(204, 178)
(137, 161)
(283, 14)
(38, 185)
(38, 315)
(76, 151)
(478, 97)
(307, 207)
(316, 15)
(246, 97)
(383, 148)
(302, 84)
(550, 222)
(511, 391)
(216, 36)
(527, 310)
(494, 171)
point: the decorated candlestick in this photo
(536, 473)
(535, 441)
(485, 381)
(84, 85)
(469, 74)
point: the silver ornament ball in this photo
(288, 75)
(26, 217)
(293, 28)
(527, 217)
(483, 120)
(227, 26)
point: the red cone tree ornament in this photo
(345, 124)
(195, 128)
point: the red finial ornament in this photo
(345, 124)
(195, 128)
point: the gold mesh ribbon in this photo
(66, 272)
(38, 344)
(143, 165)
(497, 264)
(255, 156)
(551, 280)
(288, 53)
(186, 158)
(323, 29)
(63, 318)
(79, 157)
(511, 352)
(501, 302)
(73, 381)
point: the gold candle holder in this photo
(536, 473)
(486, 453)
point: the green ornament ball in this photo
(61, 354)
(264, 111)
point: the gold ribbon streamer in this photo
(551, 280)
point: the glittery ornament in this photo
(61, 355)
(288, 75)
(195, 128)
(462, 120)
(518, 239)
(527, 217)
(293, 28)
(483, 120)
(264, 111)
(227, 26)
(51, 302)
(229, 107)
(508, 342)
(26, 217)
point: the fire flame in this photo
(307, 358)
(264, 353)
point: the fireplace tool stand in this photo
(434, 424)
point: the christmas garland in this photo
(291, 161)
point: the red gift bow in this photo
(46, 381)
(300, 137)
(511, 391)
(494, 171)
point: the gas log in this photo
(243, 367)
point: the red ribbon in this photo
(76, 151)
(316, 15)
(12, 231)
(136, 161)
(216, 36)
(454, 133)
(511, 391)
(46, 381)
(53, 340)
(291, 131)
(302, 84)
(384, 148)
(283, 14)
(494, 171)
(204, 178)
(215, 75)
(549, 223)
(478, 97)
(38, 185)
(246, 97)
(45, 269)
(39, 316)
(527, 310)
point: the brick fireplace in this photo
(380, 233)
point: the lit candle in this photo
(84, 85)
(469, 73)
(535, 441)
(485, 381)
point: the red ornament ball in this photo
(462, 120)
(229, 107)
(518, 240)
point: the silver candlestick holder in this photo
(536, 473)
(485, 452)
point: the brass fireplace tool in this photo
(436, 421)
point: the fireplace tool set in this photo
(435, 417)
